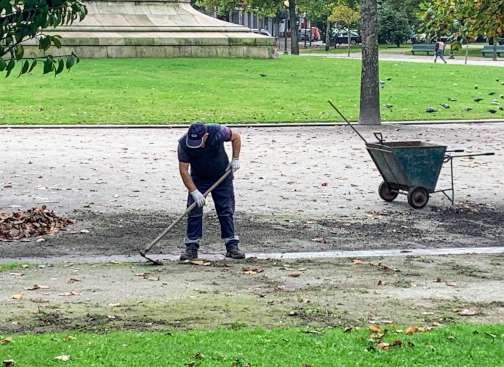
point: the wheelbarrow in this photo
(411, 167)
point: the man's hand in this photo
(235, 164)
(198, 198)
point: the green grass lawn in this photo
(288, 89)
(461, 345)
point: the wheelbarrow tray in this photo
(408, 164)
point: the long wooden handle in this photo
(189, 208)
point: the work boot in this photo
(234, 252)
(189, 254)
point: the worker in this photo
(202, 161)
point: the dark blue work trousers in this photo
(223, 197)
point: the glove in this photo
(198, 198)
(235, 164)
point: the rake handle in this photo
(189, 208)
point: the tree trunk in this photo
(328, 35)
(495, 49)
(294, 28)
(370, 90)
(348, 40)
(466, 52)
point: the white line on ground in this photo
(275, 255)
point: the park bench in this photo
(489, 49)
(423, 47)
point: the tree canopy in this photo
(23, 20)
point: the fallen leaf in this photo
(468, 312)
(114, 304)
(17, 296)
(63, 358)
(37, 286)
(251, 270)
(451, 284)
(358, 262)
(68, 294)
(9, 362)
(396, 343)
(411, 330)
(294, 274)
(374, 328)
(383, 346)
(69, 338)
(200, 262)
(5, 341)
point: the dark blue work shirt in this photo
(211, 161)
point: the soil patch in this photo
(98, 234)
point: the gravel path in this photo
(301, 189)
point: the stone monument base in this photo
(156, 28)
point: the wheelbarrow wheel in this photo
(386, 192)
(418, 197)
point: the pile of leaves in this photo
(30, 223)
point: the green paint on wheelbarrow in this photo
(408, 164)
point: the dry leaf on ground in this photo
(358, 262)
(294, 274)
(251, 270)
(37, 286)
(200, 262)
(374, 328)
(9, 362)
(63, 358)
(411, 330)
(33, 222)
(469, 312)
(5, 341)
(17, 296)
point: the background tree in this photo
(263, 7)
(23, 20)
(370, 91)
(393, 25)
(347, 17)
(320, 10)
(488, 19)
(410, 8)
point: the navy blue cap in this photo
(195, 135)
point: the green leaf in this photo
(70, 61)
(33, 64)
(10, 66)
(61, 66)
(48, 65)
(24, 69)
(3, 65)
(19, 52)
(44, 43)
(56, 41)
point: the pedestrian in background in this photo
(439, 50)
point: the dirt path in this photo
(412, 289)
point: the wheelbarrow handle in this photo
(346, 120)
(456, 151)
(473, 155)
